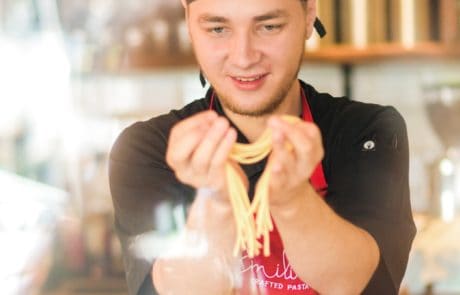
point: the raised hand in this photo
(297, 149)
(198, 150)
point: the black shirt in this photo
(365, 165)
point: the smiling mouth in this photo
(249, 79)
(249, 83)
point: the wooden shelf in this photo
(139, 62)
(144, 61)
(346, 54)
(338, 54)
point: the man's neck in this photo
(252, 127)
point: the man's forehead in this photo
(190, 1)
(247, 3)
(258, 10)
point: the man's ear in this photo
(185, 5)
(311, 16)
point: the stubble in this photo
(271, 103)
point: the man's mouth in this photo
(250, 83)
(248, 79)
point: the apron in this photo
(273, 275)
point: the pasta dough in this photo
(252, 219)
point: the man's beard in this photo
(271, 104)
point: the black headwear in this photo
(202, 79)
(319, 28)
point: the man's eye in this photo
(216, 30)
(272, 27)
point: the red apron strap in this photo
(211, 101)
(318, 180)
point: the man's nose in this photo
(244, 51)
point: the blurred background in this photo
(73, 74)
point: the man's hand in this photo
(198, 150)
(297, 150)
(198, 153)
(307, 224)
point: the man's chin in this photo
(252, 111)
(262, 102)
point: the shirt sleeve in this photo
(140, 184)
(368, 185)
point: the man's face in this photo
(249, 50)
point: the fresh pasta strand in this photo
(248, 228)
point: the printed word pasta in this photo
(249, 228)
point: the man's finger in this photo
(305, 137)
(281, 160)
(192, 123)
(206, 149)
(220, 157)
(185, 137)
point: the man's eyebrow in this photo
(271, 15)
(277, 13)
(208, 18)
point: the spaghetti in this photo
(249, 228)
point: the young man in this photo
(350, 237)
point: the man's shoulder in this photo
(344, 122)
(327, 105)
(359, 117)
(332, 113)
(363, 113)
(146, 141)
